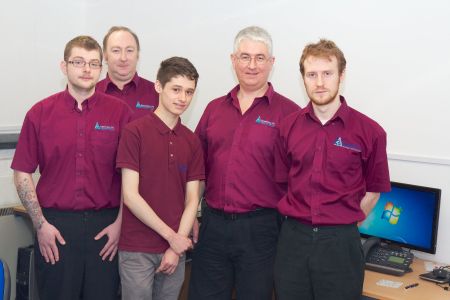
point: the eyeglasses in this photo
(78, 63)
(245, 59)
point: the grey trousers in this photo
(140, 281)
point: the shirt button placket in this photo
(317, 177)
(171, 149)
(80, 153)
(315, 233)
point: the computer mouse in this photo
(440, 273)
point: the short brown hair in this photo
(325, 49)
(176, 66)
(82, 41)
(120, 28)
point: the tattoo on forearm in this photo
(27, 195)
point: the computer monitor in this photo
(408, 215)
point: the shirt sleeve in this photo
(26, 156)
(128, 153)
(126, 115)
(196, 168)
(281, 160)
(200, 131)
(377, 170)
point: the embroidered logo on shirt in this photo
(144, 106)
(103, 127)
(264, 122)
(340, 143)
(182, 168)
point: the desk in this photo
(425, 290)
(20, 211)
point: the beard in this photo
(328, 96)
(83, 89)
(322, 101)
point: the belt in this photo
(317, 227)
(86, 212)
(244, 215)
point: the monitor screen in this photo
(407, 215)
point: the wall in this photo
(15, 232)
(34, 34)
(8, 195)
(395, 70)
(396, 52)
(433, 175)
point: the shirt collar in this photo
(161, 126)
(342, 112)
(268, 95)
(109, 84)
(72, 104)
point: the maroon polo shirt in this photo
(330, 167)
(139, 94)
(166, 160)
(239, 151)
(75, 150)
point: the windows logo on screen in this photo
(391, 213)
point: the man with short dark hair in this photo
(121, 50)
(73, 136)
(333, 159)
(162, 165)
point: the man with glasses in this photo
(121, 50)
(73, 137)
(239, 230)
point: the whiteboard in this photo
(397, 54)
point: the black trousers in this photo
(234, 252)
(319, 263)
(80, 272)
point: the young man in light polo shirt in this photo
(334, 160)
(121, 50)
(73, 137)
(162, 165)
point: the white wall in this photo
(33, 36)
(18, 233)
(396, 52)
(397, 68)
(434, 175)
(8, 195)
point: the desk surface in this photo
(20, 211)
(425, 289)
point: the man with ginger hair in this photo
(333, 159)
